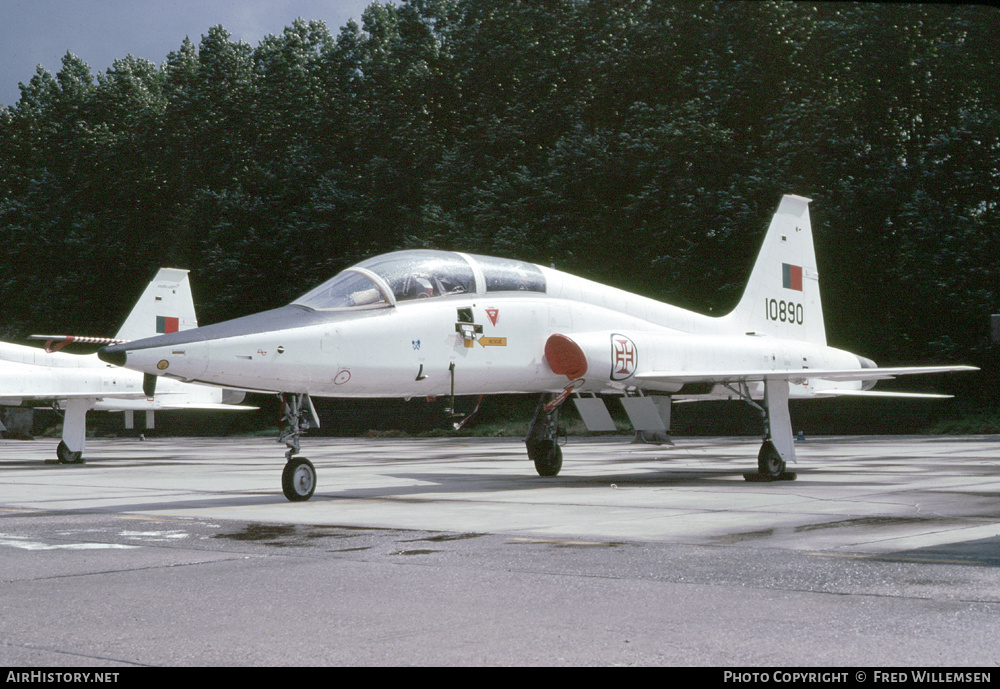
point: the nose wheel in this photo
(547, 456)
(542, 442)
(298, 479)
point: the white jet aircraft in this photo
(433, 323)
(75, 383)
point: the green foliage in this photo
(976, 423)
(641, 143)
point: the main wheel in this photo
(769, 461)
(547, 456)
(66, 456)
(298, 479)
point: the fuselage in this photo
(468, 325)
(32, 376)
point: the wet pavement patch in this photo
(734, 538)
(560, 543)
(260, 532)
(289, 535)
(441, 538)
(874, 522)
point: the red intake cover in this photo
(565, 357)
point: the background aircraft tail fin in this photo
(165, 307)
(782, 296)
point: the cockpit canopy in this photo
(418, 274)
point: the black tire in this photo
(298, 479)
(769, 461)
(547, 456)
(66, 456)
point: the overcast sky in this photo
(40, 32)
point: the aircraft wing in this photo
(118, 395)
(137, 395)
(205, 405)
(834, 392)
(853, 374)
(123, 395)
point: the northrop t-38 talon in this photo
(434, 323)
(77, 383)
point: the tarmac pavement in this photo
(452, 551)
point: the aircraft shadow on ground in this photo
(429, 484)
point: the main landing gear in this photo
(778, 447)
(74, 435)
(298, 479)
(543, 437)
(67, 456)
(770, 465)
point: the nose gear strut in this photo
(298, 479)
(543, 436)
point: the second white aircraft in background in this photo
(432, 323)
(76, 383)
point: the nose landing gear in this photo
(298, 478)
(543, 437)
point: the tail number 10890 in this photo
(783, 311)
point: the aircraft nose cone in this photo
(111, 356)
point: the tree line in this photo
(636, 142)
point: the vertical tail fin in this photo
(165, 307)
(782, 295)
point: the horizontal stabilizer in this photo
(53, 343)
(76, 338)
